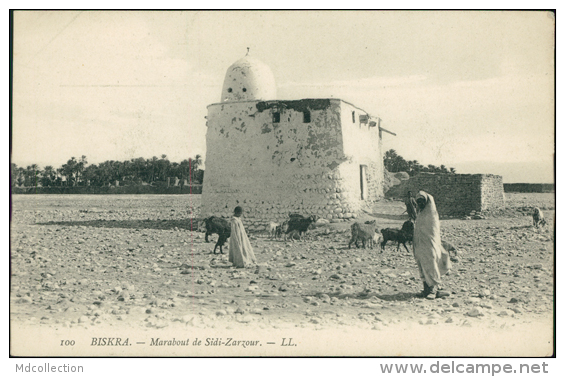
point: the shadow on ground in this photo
(130, 224)
(388, 216)
(401, 296)
(521, 227)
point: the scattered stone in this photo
(475, 312)
(83, 319)
(244, 319)
(24, 300)
(473, 300)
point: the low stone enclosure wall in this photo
(529, 187)
(93, 190)
(456, 194)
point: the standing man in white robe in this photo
(241, 253)
(433, 261)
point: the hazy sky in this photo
(473, 90)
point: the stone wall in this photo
(529, 187)
(492, 192)
(277, 157)
(457, 194)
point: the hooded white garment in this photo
(432, 259)
(241, 253)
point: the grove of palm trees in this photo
(135, 171)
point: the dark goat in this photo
(295, 216)
(397, 235)
(408, 230)
(219, 226)
(363, 232)
(300, 223)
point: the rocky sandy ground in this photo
(81, 262)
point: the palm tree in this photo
(14, 171)
(154, 168)
(31, 173)
(184, 169)
(91, 173)
(21, 176)
(197, 161)
(163, 167)
(48, 176)
(194, 165)
(69, 171)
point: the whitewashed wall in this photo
(271, 169)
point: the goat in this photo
(408, 230)
(451, 250)
(272, 229)
(300, 223)
(405, 234)
(539, 219)
(295, 216)
(219, 226)
(397, 235)
(364, 233)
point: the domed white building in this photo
(311, 156)
(249, 79)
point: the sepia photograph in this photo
(282, 183)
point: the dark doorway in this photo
(363, 178)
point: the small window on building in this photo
(276, 117)
(353, 116)
(229, 90)
(306, 118)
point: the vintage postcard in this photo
(282, 183)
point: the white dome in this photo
(249, 79)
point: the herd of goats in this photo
(297, 225)
(367, 233)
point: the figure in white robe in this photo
(432, 259)
(241, 253)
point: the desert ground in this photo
(94, 266)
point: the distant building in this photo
(311, 156)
